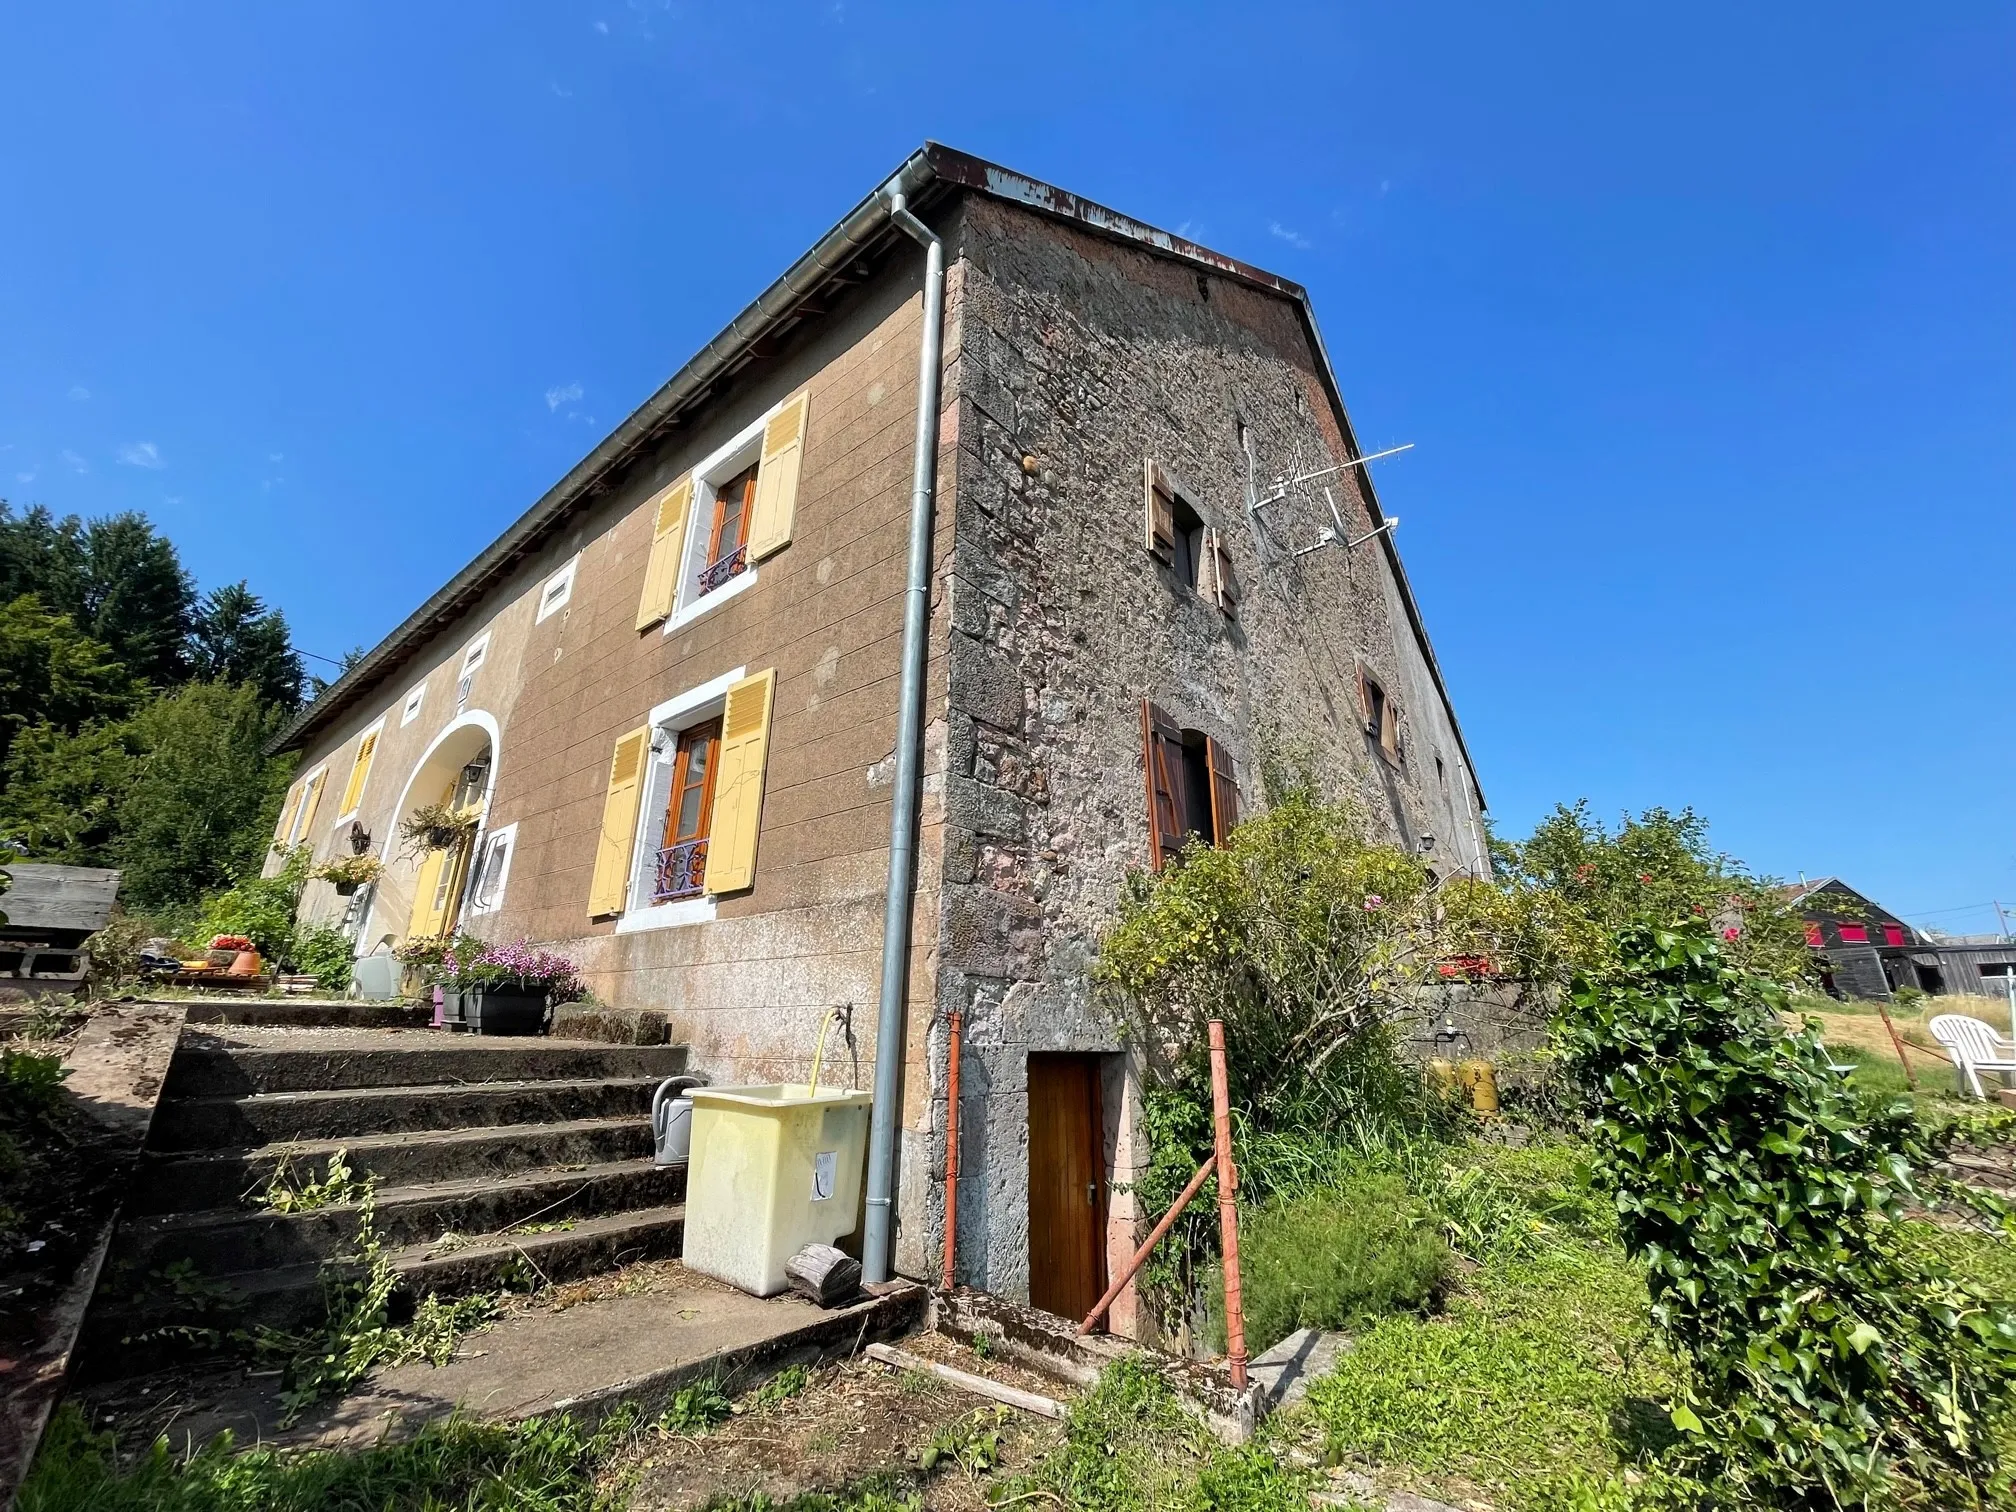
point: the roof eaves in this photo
(856, 234)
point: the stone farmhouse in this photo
(669, 692)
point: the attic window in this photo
(1853, 934)
(558, 590)
(1893, 934)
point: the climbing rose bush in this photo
(1837, 1364)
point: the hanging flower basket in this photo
(348, 873)
(434, 827)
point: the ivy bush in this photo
(1837, 1365)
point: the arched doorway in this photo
(449, 794)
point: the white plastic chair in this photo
(1975, 1048)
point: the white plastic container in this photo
(771, 1170)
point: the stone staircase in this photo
(530, 1158)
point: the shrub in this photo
(1332, 1258)
(325, 953)
(260, 908)
(1837, 1364)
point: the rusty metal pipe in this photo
(1897, 1041)
(1228, 1211)
(951, 1144)
(1154, 1238)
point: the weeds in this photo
(973, 1443)
(356, 1336)
(1130, 1447)
(783, 1386)
(339, 1187)
(695, 1408)
(878, 1493)
(541, 1465)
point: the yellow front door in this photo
(437, 888)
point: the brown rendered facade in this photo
(1121, 632)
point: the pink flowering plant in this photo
(518, 964)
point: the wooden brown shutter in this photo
(1218, 563)
(1165, 808)
(1161, 511)
(1224, 792)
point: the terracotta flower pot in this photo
(245, 963)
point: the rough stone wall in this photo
(1080, 357)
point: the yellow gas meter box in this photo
(772, 1169)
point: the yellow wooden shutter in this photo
(777, 480)
(668, 548)
(311, 795)
(286, 831)
(619, 823)
(360, 769)
(738, 784)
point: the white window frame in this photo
(694, 706)
(491, 870)
(416, 698)
(377, 729)
(293, 836)
(709, 475)
(551, 603)
(473, 656)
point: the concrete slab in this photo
(586, 1359)
(1286, 1370)
(116, 1066)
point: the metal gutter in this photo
(879, 1226)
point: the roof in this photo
(838, 258)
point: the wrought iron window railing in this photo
(682, 871)
(714, 574)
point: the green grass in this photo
(543, 1465)
(1543, 1367)
(1129, 1446)
(1334, 1257)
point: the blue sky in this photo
(1702, 321)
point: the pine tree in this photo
(51, 672)
(235, 638)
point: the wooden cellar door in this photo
(1067, 1185)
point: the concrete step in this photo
(143, 1321)
(217, 1123)
(188, 1183)
(235, 1070)
(310, 1014)
(224, 1241)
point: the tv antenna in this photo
(1333, 534)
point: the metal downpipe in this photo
(878, 1236)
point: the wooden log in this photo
(827, 1275)
(994, 1391)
